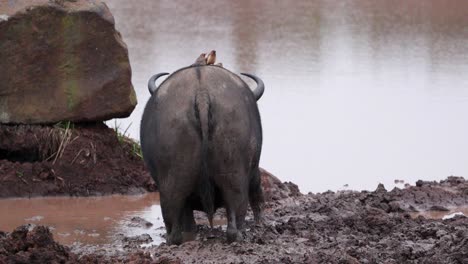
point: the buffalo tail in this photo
(206, 185)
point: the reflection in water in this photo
(87, 220)
(357, 92)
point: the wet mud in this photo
(333, 227)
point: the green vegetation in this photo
(71, 89)
(118, 132)
(20, 175)
(65, 125)
(137, 150)
(133, 98)
(70, 60)
(124, 139)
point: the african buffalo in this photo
(201, 138)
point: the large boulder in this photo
(62, 60)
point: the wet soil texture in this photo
(330, 227)
(69, 159)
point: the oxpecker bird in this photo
(211, 58)
(201, 60)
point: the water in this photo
(462, 210)
(86, 220)
(357, 92)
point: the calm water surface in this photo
(357, 92)
(462, 210)
(86, 220)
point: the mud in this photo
(69, 159)
(28, 244)
(330, 227)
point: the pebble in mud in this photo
(139, 222)
(136, 241)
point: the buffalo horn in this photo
(152, 82)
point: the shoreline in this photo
(330, 227)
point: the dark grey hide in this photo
(201, 138)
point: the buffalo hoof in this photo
(188, 236)
(174, 239)
(259, 220)
(233, 235)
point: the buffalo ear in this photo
(258, 92)
(152, 82)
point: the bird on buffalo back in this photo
(211, 58)
(201, 60)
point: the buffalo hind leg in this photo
(172, 209)
(256, 195)
(236, 208)
(165, 209)
(189, 225)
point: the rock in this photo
(62, 60)
(395, 207)
(439, 208)
(317, 217)
(380, 188)
(454, 180)
(274, 189)
(36, 245)
(301, 240)
(137, 240)
(137, 221)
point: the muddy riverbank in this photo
(69, 159)
(84, 159)
(333, 227)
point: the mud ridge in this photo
(69, 159)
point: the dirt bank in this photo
(83, 160)
(341, 227)
(69, 159)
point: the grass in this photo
(61, 134)
(121, 136)
(137, 150)
(65, 125)
(124, 138)
(43, 143)
(20, 175)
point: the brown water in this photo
(86, 220)
(442, 215)
(357, 92)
